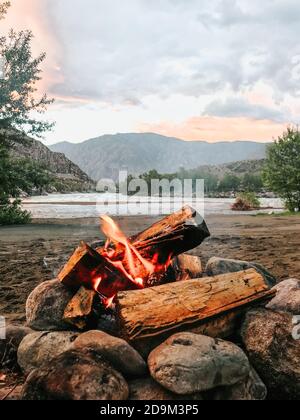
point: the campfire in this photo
(130, 307)
(133, 263)
(150, 285)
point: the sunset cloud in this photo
(217, 128)
(231, 64)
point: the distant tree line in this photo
(213, 184)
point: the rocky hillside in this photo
(103, 156)
(68, 177)
(240, 168)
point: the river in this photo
(66, 206)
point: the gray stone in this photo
(76, 375)
(41, 347)
(45, 306)
(9, 346)
(287, 298)
(115, 350)
(251, 389)
(273, 351)
(217, 266)
(187, 363)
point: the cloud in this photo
(240, 107)
(127, 64)
(214, 129)
(122, 51)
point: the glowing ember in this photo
(134, 269)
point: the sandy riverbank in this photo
(32, 254)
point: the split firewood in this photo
(80, 267)
(88, 268)
(187, 305)
(186, 267)
(81, 312)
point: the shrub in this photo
(246, 202)
(12, 214)
(282, 173)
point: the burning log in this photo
(168, 238)
(187, 305)
(178, 233)
(141, 261)
(80, 268)
(88, 268)
(81, 310)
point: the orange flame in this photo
(126, 259)
(112, 231)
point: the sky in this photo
(195, 69)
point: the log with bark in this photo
(175, 234)
(188, 305)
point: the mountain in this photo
(68, 177)
(104, 156)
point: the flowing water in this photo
(69, 206)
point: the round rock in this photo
(13, 335)
(45, 306)
(287, 297)
(187, 363)
(115, 350)
(272, 341)
(76, 375)
(217, 266)
(41, 347)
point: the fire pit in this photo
(123, 276)
(147, 294)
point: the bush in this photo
(12, 214)
(281, 173)
(246, 202)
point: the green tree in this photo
(282, 170)
(252, 183)
(18, 100)
(229, 183)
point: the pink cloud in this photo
(30, 15)
(218, 128)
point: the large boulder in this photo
(287, 297)
(187, 363)
(45, 306)
(9, 345)
(250, 389)
(41, 347)
(146, 389)
(115, 350)
(274, 351)
(217, 266)
(76, 375)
